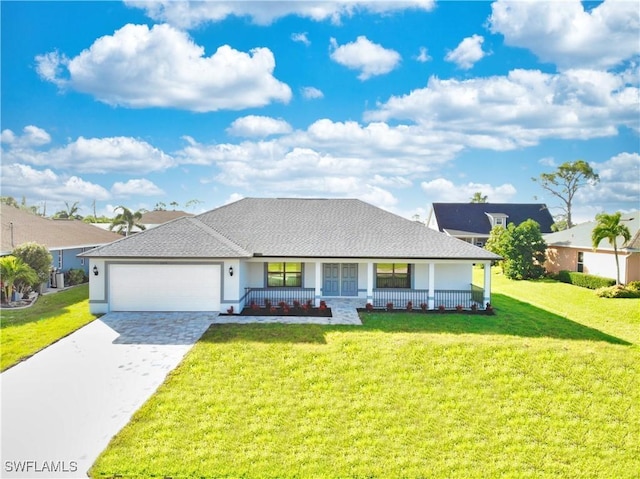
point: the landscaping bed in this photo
(296, 308)
(474, 310)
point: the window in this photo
(393, 275)
(284, 275)
(580, 262)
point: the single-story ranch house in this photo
(572, 250)
(286, 249)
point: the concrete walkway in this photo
(61, 407)
(343, 311)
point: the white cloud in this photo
(24, 180)
(258, 127)
(136, 187)
(94, 155)
(467, 53)
(369, 58)
(442, 189)
(32, 137)
(190, 14)
(138, 67)
(311, 93)
(619, 181)
(50, 66)
(233, 197)
(423, 56)
(520, 109)
(548, 161)
(566, 34)
(301, 38)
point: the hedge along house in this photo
(286, 250)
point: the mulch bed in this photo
(314, 312)
(482, 312)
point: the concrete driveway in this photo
(61, 407)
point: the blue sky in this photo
(400, 104)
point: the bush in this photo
(75, 276)
(618, 292)
(634, 286)
(585, 280)
(38, 257)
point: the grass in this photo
(24, 332)
(534, 391)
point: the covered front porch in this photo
(426, 284)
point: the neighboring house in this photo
(65, 239)
(151, 219)
(572, 250)
(285, 249)
(472, 222)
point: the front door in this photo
(340, 279)
(331, 282)
(349, 280)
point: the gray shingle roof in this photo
(580, 235)
(329, 228)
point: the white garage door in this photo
(164, 287)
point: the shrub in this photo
(409, 306)
(634, 286)
(423, 307)
(617, 292)
(585, 280)
(389, 306)
(75, 276)
(38, 257)
(369, 307)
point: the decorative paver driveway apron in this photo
(61, 407)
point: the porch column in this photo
(487, 283)
(432, 281)
(318, 293)
(370, 275)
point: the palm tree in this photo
(609, 227)
(126, 220)
(478, 197)
(13, 269)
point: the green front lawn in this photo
(24, 332)
(524, 393)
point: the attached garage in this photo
(164, 287)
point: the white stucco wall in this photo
(97, 290)
(309, 272)
(421, 276)
(604, 264)
(453, 276)
(231, 290)
(254, 275)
